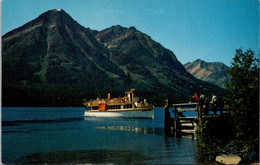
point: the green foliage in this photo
(243, 95)
(215, 135)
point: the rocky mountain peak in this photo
(50, 19)
(55, 15)
(212, 72)
(116, 33)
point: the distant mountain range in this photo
(213, 72)
(54, 61)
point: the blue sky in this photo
(210, 30)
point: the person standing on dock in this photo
(213, 103)
(195, 97)
(202, 97)
(180, 114)
(203, 104)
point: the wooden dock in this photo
(181, 123)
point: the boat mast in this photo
(128, 80)
(98, 92)
(112, 92)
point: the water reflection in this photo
(192, 135)
(153, 131)
(185, 134)
(93, 119)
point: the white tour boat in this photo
(131, 105)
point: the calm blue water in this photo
(63, 135)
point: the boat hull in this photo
(141, 113)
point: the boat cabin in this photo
(132, 95)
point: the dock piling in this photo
(167, 119)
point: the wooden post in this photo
(167, 119)
(176, 119)
(199, 110)
(177, 124)
(175, 111)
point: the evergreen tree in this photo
(243, 95)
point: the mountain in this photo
(54, 61)
(148, 62)
(214, 72)
(54, 53)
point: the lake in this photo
(64, 135)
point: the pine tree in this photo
(243, 95)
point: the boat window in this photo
(127, 106)
(95, 108)
(113, 106)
